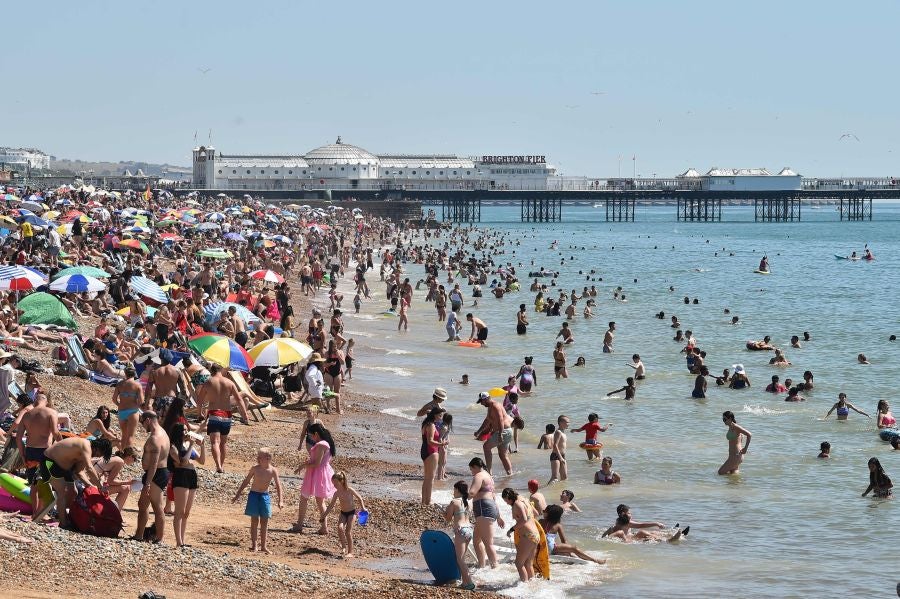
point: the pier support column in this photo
(461, 210)
(780, 210)
(853, 209)
(620, 209)
(541, 210)
(697, 209)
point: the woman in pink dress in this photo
(317, 480)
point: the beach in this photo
(665, 445)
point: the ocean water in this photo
(789, 525)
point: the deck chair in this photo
(76, 354)
(255, 404)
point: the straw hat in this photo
(440, 394)
(316, 357)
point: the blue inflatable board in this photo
(440, 555)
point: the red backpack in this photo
(94, 513)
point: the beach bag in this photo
(61, 353)
(94, 513)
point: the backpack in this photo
(94, 513)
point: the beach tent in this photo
(43, 308)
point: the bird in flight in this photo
(848, 136)
(204, 71)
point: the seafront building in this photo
(21, 158)
(344, 166)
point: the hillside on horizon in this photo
(101, 168)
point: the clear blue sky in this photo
(685, 84)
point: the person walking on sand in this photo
(317, 473)
(479, 329)
(184, 475)
(259, 504)
(156, 476)
(735, 450)
(36, 430)
(346, 496)
(496, 430)
(217, 396)
(458, 514)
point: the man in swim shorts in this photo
(217, 395)
(156, 476)
(162, 385)
(39, 426)
(479, 329)
(498, 425)
(608, 338)
(69, 459)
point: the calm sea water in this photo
(788, 525)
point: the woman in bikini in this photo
(109, 471)
(843, 408)
(735, 450)
(484, 508)
(128, 397)
(879, 482)
(529, 537)
(457, 513)
(884, 418)
(100, 426)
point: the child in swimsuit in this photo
(346, 495)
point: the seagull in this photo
(204, 71)
(848, 136)
(598, 93)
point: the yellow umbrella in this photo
(170, 287)
(50, 214)
(497, 392)
(65, 229)
(8, 220)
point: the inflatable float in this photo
(752, 346)
(762, 272)
(8, 503)
(887, 434)
(597, 445)
(468, 344)
(440, 555)
(15, 487)
(854, 258)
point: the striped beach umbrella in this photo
(211, 311)
(135, 244)
(267, 275)
(19, 278)
(148, 290)
(221, 350)
(77, 284)
(91, 271)
(280, 351)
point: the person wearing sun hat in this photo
(315, 384)
(739, 380)
(437, 398)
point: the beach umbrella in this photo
(126, 311)
(134, 244)
(32, 205)
(248, 223)
(221, 350)
(51, 214)
(171, 237)
(63, 202)
(264, 243)
(148, 290)
(280, 351)
(35, 220)
(8, 221)
(209, 227)
(235, 237)
(267, 275)
(77, 284)
(90, 271)
(216, 216)
(71, 215)
(217, 253)
(281, 238)
(19, 278)
(64, 229)
(136, 229)
(211, 311)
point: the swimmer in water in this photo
(629, 389)
(843, 408)
(879, 481)
(824, 450)
(884, 418)
(608, 338)
(862, 359)
(639, 373)
(620, 531)
(736, 451)
(700, 383)
(566, 501)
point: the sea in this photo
(789, 524)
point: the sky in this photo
(600, 88)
